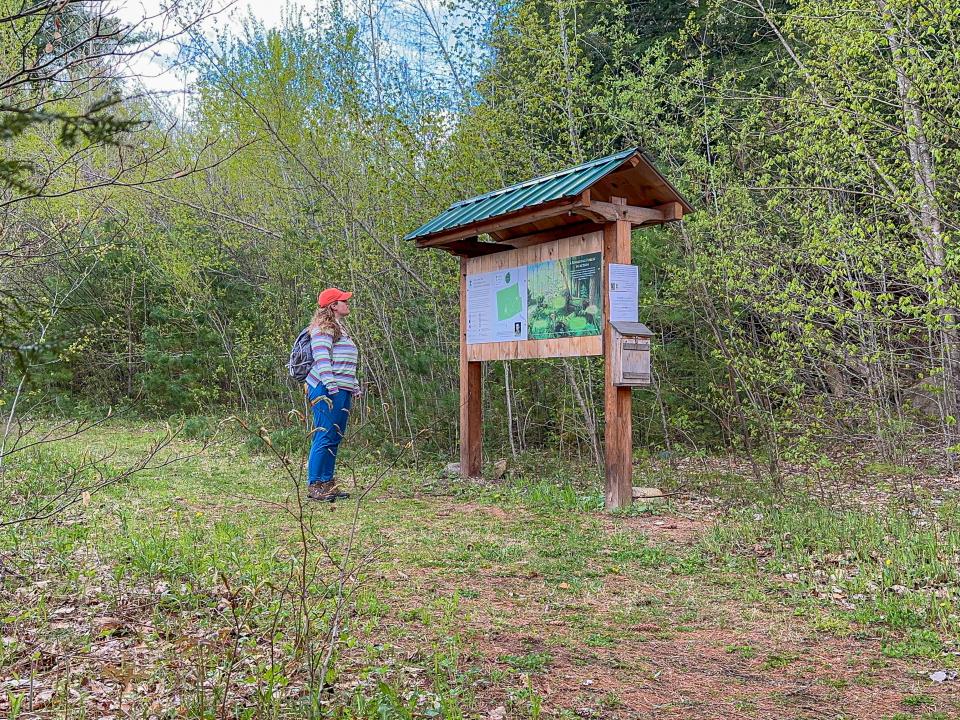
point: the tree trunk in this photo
(927, 222)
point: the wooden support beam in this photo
(583, 205)
(596, 215)
(611, 212)
(471, 412)
(618, 428)
(671, 211)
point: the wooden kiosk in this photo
(513, 243)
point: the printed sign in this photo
(563, 297)
(497, 306)
(624, 287)
(542, 301)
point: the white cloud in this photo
(158, 70)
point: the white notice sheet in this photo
(497, 306)
(624, 288)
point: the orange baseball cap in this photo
(332, 295)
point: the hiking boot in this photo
(322, 492)
(337, 492)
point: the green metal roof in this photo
(566, 183)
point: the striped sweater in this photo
(334, 363)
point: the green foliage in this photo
(888, 570)
(811, 296)
(96, 125)
(530, 662)
(57, 90)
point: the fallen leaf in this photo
(106, 624)
(42, 698)
(498, 713)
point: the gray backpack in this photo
(301, 357)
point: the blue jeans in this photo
(330, 414)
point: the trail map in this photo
(497, 306)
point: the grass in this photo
(918, 700)
(179, 594)
(531, 662)
(891, 570)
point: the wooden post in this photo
(618, 427)
(471, 413)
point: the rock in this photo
(498, 713)
(925, 396)
(943, 675)
(642, 492)
(499, 469)
(451, 470)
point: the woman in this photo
(330, 387)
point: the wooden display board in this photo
(613, 242)
(560, 231)
(523, 349)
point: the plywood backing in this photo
(524, 349)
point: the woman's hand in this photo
(357, 392)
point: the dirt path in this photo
(696, 651)
(522, 612)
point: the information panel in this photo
(497, 306)
(624, 289)
(543, 300)
(563, 297)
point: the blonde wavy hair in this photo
(325, 321)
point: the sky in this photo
(157, 70)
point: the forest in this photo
(163, 243)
